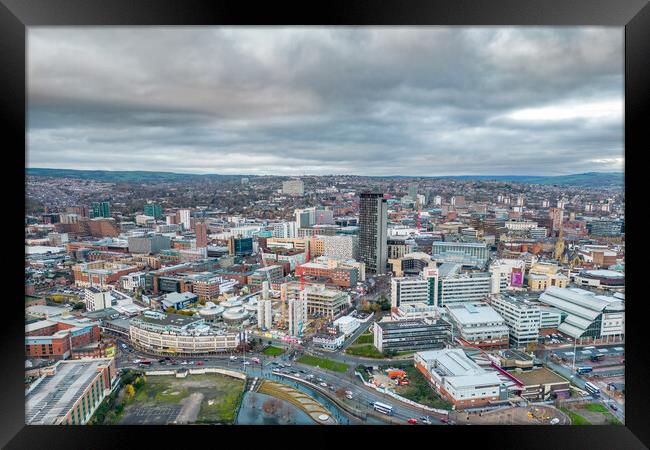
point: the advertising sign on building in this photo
(516, 278)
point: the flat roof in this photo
(52, 397)
(473, 313)
(537, 376)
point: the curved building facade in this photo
(173, 334)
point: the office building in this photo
(240, 246)
(478, 324)
(605, 227)
(101, 209)
(466, 253)
(183, 217)
(339, 246)
(411, 264)
(347, 325)
(455, 286)
(96, 299)
(70, 392)
(320, 299)
(284, 230)
(411, 335)
(522, 316)
(459, 379)
(420, 289)
(373, 216)
(100, 274)
(154, 210)
(55, 337)
(293, 187)
(149, 244)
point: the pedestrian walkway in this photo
(306, 403)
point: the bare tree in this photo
(271, 406)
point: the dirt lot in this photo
(198, 398)
(541, 415)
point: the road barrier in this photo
(443, 412)
(229, 373)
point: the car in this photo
(276, 370)
(233, 358)
(302, 371)
(247, 363)
(348, 396)
(319, 379)
(613, 406)
(425, 420)
(323, 384)
(332, 388)
(183, 363)
(191, 363)
(199, 363)
(444, 420)
(412, 420)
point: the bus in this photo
(585, 369)
(592, 389)
(383, 408)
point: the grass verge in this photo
(273, 351)
(323, 363)
(576, 419)
(365, 350)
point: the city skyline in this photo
(419, 101)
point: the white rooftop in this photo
(474, 313)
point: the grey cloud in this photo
(409, 101)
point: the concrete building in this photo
(601, 279)
(411, 264)
(347, 325)
(70, 392)
(100, 274)
(411, 335)
(522, 316)
(319, 299)
(459, 379)
(174, 334)
(466, 253)
(540, 384)
(297, 313)
(133, 281)
(421, 289)
(284, 230)
(184, 218)
(96, 299)
(455, 286)
(339, 246)
(373, 216)
(150, 244)
(478, 324)
(264, 308)
(542, 275)
(589, 317)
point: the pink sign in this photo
(516, 279)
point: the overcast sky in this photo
(424, 101)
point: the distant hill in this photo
(116, 176)
(581, 179)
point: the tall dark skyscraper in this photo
(373, 218)
(102, 209)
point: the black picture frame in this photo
(16, 15)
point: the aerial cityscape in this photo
(257, 244)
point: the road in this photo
(362, 395)
(604, 399)
(359, 331)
